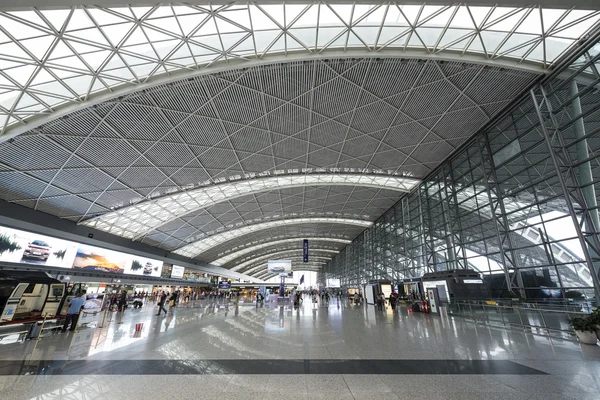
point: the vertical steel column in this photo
(586, 179)
(564, 170)
(497, 207)
(445, 208)
(456, 225)
(431, 258)
(406, 232)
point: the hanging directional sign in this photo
(305, 250)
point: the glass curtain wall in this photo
(518, 203)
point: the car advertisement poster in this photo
(279, 267)
(90, 258)
(18, 246)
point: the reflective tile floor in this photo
(341, 351)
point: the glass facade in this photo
(517, 203)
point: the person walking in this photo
(173, 300)
(122, 301)
(161, 303)
(75, 306)
(393, 300)
(380, 300)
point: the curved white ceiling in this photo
(281, 253)
(139, 219)
(196, 248)
(230, 257)
(55, 61)
(262, 269)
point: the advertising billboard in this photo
(96, 259)
(18, 246)
(279, 267)
(177, 271)
(143, 266)
(333, 283)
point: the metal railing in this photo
(533, 319)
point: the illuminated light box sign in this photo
(279, 267)
(333, 283)
(143, 266)
(177, 272)
(90, 258)
(224, 285)
(18, 246)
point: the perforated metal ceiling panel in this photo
(393, 115)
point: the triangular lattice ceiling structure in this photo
(53, 58)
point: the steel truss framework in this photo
(53, 59)
(519, 200)
(327, 125)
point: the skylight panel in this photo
(111, 46)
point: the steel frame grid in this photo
(165, 239)
(564, 167)
(108, 47)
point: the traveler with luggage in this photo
(161, 303)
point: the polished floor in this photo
(213, 350)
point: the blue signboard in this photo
(305, 250)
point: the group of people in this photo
(393, 300)
(162, 300)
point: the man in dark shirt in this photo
(161, 303)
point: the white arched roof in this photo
(139, 219)
(198, 247)
(55, 61)
(230, 257)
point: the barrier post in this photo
(121, 316)
(103, 318)
(41, 328)
(77, 321)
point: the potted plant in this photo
(595, 317)
(585, 329)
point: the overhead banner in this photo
(18, 246)
(305, 250)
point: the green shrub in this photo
(583, 324)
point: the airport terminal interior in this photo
(300, 199)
